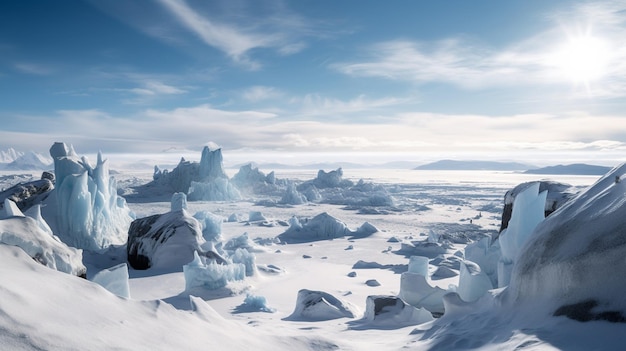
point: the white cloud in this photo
(473, 65)
(261, 93)
(34, 68)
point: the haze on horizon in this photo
(534, 81)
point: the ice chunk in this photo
(211, 275)
(114, 279)
(219, 189)
(10, 209)
(473, 283)
(35, 213)
(415, 290)
(254, 303)
(89, 214)
(418, 265)
(528, 211)
(242, 256)
(211, 225)
(292, 196)
(256, 216)
(320, 306)
(391, 312)
(178, 202)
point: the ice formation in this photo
(89, 213)
(576, 255)
(320, 306)
(332, 179)
(212, 183)
(114, 279)
(473, 283)
(164, 241)
(211, 225)
(254, 303)
(321, 227)
(390, 312)
(292, 196)
(528, 211)
(416, 291)
(211, 275)
(27, 233)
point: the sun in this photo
(582, 59)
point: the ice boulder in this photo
(574, 259)
(114, 279)
(320, 306)
(473, 283)
(391, 312)
(321, 227)
(25, 195)
(209, 274)
(89, 213)
(416, 291)
(254, 303)
(27, 233)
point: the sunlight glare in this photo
(582, 59)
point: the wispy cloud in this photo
(311, 105)
(34, 68)
(280, 29)
(261, 93)
(470, 64)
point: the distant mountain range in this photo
(453, 165)
(11, 160)
(329, 165)
(574, 169)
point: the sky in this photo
(289, 81)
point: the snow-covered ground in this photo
(44, 309)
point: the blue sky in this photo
(522, 80)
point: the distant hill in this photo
(573, 169)
(330, 165)
(452, 165)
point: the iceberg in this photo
(212, 183)
(473, 283)
(89, 213)
(211, 225)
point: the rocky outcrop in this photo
(25, 195)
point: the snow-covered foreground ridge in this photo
(538, 284)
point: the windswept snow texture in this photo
(26, 233)
(320, 306)
(578, 253)
(89, 213)
(322, 227)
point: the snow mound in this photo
(26, 233)
(391, 312)
(89, 213)
(320, 306)
(321, 227)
